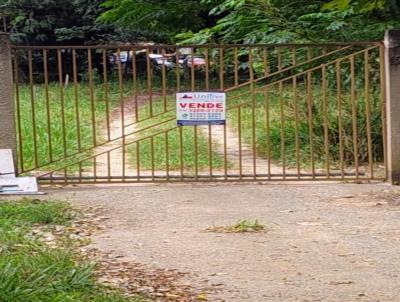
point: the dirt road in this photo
(324, 242)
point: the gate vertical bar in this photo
(340, 119)
(368, 112)
(8, 138)
(18, 117)
(222, 87)
(33, 109)
(207, 76)
(354, 110)
(62, 101)
(48, 111)
(253, 113)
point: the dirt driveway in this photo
(324, 242)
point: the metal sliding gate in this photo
(107, 113)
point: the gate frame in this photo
(390, 75)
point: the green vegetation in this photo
(159, 19)
(248, 225)
(284, 118)
(52, 22)
(50, 130)
(31, 270)
(279, 21)
(153, 151)
(242, 226)
(262, 21)
(229, 21)
(206, 21)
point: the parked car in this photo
(198, 62)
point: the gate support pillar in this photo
(7, 117)
(392, 63)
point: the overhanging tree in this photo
(160, 20)
(276, 21)
(60, 22)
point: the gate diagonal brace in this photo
(10, 184)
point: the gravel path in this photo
(247, 159)
(324, 242)
(113, 163)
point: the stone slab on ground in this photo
(9, 183)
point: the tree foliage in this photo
(38, 22)
(161, 20)
(219, 21)
(275, 21)
(365, 6)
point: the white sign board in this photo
(200, 108)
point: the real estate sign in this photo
(200, 108)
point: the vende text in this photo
(201, 105)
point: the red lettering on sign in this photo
(202, 105)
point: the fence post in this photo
(7, 122)
(392, 63)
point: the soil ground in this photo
(323, 242)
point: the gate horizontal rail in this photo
(213, 46)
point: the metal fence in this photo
(107, 113)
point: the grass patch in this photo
(56, 134)
(242, 226)
(32, 271)
(57, 131)
(279, 137)
(160, 146)
(33, 211)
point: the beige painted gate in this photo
(107, 113)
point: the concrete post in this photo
(7, 122)
(392, 58)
